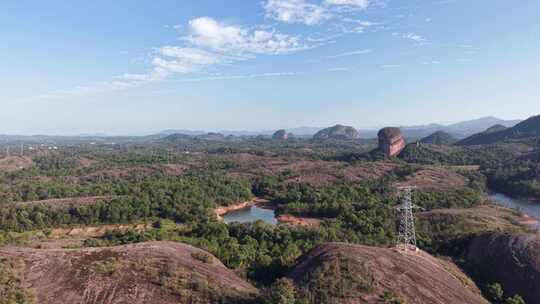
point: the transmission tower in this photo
(406, 235)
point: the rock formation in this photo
(509, 259)
(337, 132)
(391, 141)
(346, 273)
(280, 135)
(153, 272)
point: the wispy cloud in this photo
(414, 37)
(338, 69)
(217, 36)
(352, 53)
(233, 77)
(310, 12)
(296, 11)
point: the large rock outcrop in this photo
(354, 274)
(509, 259)
(337, 132)
(154, 272)
(391, 142)
(280, 135)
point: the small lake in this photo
(529, 207)
(250, 215)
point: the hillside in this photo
(344, 273)
(154, 272)
(15, 163)
(529, 128)
(337, 132)
(513, 260)
(439, 138)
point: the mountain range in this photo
(459, 130)
(529, 128)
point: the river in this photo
(529, 207)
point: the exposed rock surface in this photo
(391, 142)
(345, 273)
(511, 260)
(154, 272)
(439, 138)
(337, 132)
(280, 135)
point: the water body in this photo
(250, 215)
(529, 207)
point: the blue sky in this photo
(127, 67)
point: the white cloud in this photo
(309, 12)
(338, 69)
(296, 11)
(235, 40)
(358, 3)
(352, 53)
(414, 37)
(431, 62)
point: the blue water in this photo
(250, 215)
(529, 207)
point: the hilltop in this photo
(345, 273)
(337, 132)
(154, 272)
(439, 138)
(529, 128)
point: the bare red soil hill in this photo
(154, 272)
(345, 273)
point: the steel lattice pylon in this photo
(406, 239)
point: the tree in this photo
(282, 291)
(516, 299)
(495, 292)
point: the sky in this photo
(140, 66)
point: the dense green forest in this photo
(175, 187)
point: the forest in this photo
(175, 187)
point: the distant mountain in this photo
(337, 132)
(477, 125)
(458, 130)
(185, 132)
(529, 128)
(439, 138)
(178, 137)
(280, 135)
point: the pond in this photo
(250, 215)
(529, 207)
